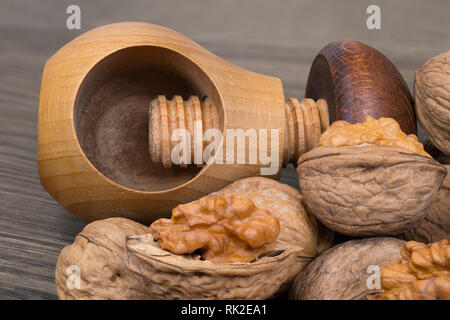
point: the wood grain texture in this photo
(262, 36)
(357, 80)
(116, 177)
(303, 124)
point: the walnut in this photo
(432, 100)
(347, 271)
(225, 229)
(436, 225)
(377, 182)
(424, 274)
(187, 276)
(120, 259)
(97, 252)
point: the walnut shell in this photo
(341, 273)
(98, 253)
(432, 100)
(368, 190)
(171, 276)
(326, 238)
(436, 225)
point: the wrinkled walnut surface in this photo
(384, 131)
(173, 276)
(424, 274)
(98, 253)
(223, 228)
(436, 225)
(368, 190)
(341, 273)
(432, 100)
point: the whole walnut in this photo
(197, 276)
(369, 179)
(97, 253)
(348, 271)
(432, 100)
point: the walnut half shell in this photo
(368, 190)
(173, 276)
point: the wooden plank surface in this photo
(270, 37)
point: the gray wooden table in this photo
(278, 38)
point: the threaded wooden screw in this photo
(305, 122)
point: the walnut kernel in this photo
(384, 131)
(224, 228)
(423, 275)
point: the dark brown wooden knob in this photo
(357, 80)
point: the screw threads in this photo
(166, 116)
(305, 122)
